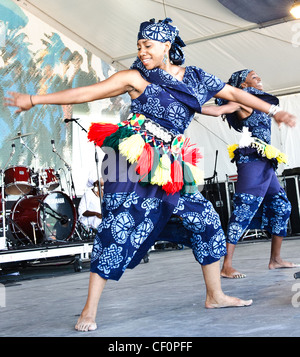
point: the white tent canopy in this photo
(217, 40)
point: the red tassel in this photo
(177, 179)
(190, 154)
(145, 161)
(99, 131)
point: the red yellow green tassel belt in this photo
(263, 149)
(161, 157)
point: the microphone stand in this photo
(210, 181)
(96, 158)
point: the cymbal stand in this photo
(71, 187)
(3, 238)
(3, 243)
(28, 148)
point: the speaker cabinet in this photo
(292, 188)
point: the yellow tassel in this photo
(197, 174)
(132, 147)
(231, 150)
(282, 158)
(162, 174)
(271, 152)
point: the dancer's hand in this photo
(286, 118)
(21, 101)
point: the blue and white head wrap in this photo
(235, 80)
(239, 77)
(162, 31)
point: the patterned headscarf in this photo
(162, 31)
(236, 79)
(239, 77)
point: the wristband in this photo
(274, 109)
(31, 101)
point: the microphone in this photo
(53, 145)
(67, 120)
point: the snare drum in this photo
(50, 217)
(17, 180)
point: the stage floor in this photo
(161, 298)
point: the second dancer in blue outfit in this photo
(259, 201)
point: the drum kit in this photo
(41, 213)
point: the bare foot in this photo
(231, 273)
(226, 301)
(85, 324)
(278, 264)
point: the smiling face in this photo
(152, 53)
(253, 80)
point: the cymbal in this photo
(19, 135)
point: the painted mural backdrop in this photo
(36, 59)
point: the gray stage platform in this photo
(162, 298)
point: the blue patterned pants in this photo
(132, 224)
(259, 202)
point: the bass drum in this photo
(37, 219)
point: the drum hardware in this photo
(214, 195)
(10, 155)
(43, 218)
(12, 222)
(3, 216)
(41, 214)
(71, 186)
(18, 179)
(19, 136)
(33, 232)
(62, 218)
(3, 200)
(96, 153)
(84, 233)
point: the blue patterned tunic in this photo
(259, 201)
(133, 215)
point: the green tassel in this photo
(189, 185)
(113, 140)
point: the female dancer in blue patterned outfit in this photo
(133, 213)
(259, 200)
